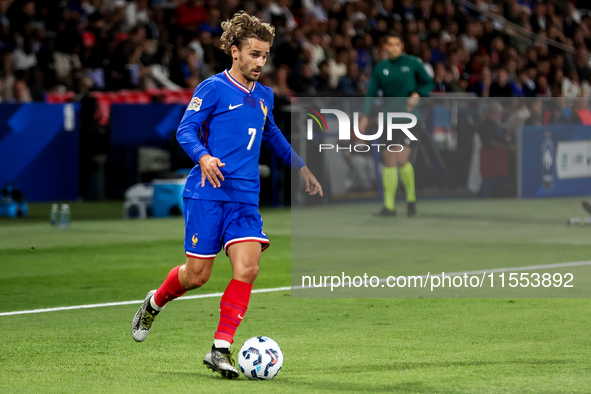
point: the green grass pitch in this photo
(406, 345)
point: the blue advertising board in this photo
(39, 149)
(144, 125)
(555, 161)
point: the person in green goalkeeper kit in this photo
(401, 76)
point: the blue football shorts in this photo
(211, 225)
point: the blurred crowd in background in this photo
(321, 46)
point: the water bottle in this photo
(53, 215)
(65, 219)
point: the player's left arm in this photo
(425, 84)
(274, 139)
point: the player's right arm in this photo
(210, 170)
(202, 105)
(274, 139)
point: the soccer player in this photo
(399, 76)
(228, 117)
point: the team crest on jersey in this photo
(194, 239)
(195, 104)
(386, 72)
(264, 108)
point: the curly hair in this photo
(241, 27)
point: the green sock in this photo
(408, 179)
(390, 181)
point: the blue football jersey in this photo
(226, 120)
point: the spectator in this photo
(438, 47)
(303, 82)
(363, 45)
(536, 117)
(20, 92)
(190, 67)
(585, 88)
(350, 83)
(68, 45)
(581, 114)
(110, 43)
(280, 86)
(497, 48)
(500, 87)
(539, 19)
(581, 63)
(494, 155)
(322, 80)
(23, 57)
(530, 85)
(439, 78)
(213, 24)
(570, 87)
(136, 13)
(21, 14)
(462, 84)
(518, 86)
(318, 54)
(322, 9)
(559, 113)
(482, 86)
(469, 37)
(289, 52)
(338, 67)
(281, 8)
(542, 89)
(192, 14)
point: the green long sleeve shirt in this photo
(398, 77)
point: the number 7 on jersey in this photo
(253, 133)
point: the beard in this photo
(247, 74)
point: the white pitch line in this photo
(89, 306)
(269, 290)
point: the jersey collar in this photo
(238, 84)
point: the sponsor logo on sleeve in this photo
(195, 104)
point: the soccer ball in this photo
(260, 358)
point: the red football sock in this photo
(232, 309)
(170, 289)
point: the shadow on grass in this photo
(401, 366)
(405, 387)
(203, 373)
(334, 386)
(303, 386)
